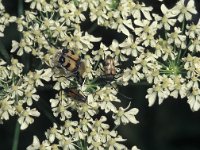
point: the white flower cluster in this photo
(48, 28)
(165, 51)
(18, 92)
(160, 50)
(5, 19)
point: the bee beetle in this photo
(69, 61)
(75, 94)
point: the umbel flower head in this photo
(77, 70)
(85, 72)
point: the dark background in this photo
(170, 126)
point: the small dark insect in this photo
(75, 94)
(109, 68)
(109, 74)
(109, 71)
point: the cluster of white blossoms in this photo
(18, 92)
(5, 19)
(164, 50)
(161, 50)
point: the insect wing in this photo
(73, 93)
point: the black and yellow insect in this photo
(69, 61)
(71, 64)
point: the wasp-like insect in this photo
(75, 94)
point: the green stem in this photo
(165, 32)
(183, 26)
(4, 52)
(20, 7)
(95, 67)
(186, 49)
(92, 28)
(44, 107)
(115, 127)
(81, 145)
(16, 136)
(17, 126)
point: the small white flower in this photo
(66, 143)
(29, 95)
(105, 98)
(98, 12)
(16, 91)
(118, 55)
(26, 116)
(132, 74)
(194, 99)
(59, 107)
(47, 74)
(86, 111)
(69, 127)
(195, 45)
(53, 133)
(179, 87)
(16, 67)
(99, 124)
(6, 108)
(157, 91)
(134, 148)
(82, 42)
(167, 20)
(141, 9)
(79, 134)
(37, 76)
(85, 124)
(21, 47)
(38, 4)
(131, 47)
(113, 143)
(88, 71)
(96, 145)
(177, 38)
(36, 145)
(123, 24)
(185, 12)
(61, 83)
(125, 116)
(193, 30)
(101, 53)
(146, 31)
(76, 14)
